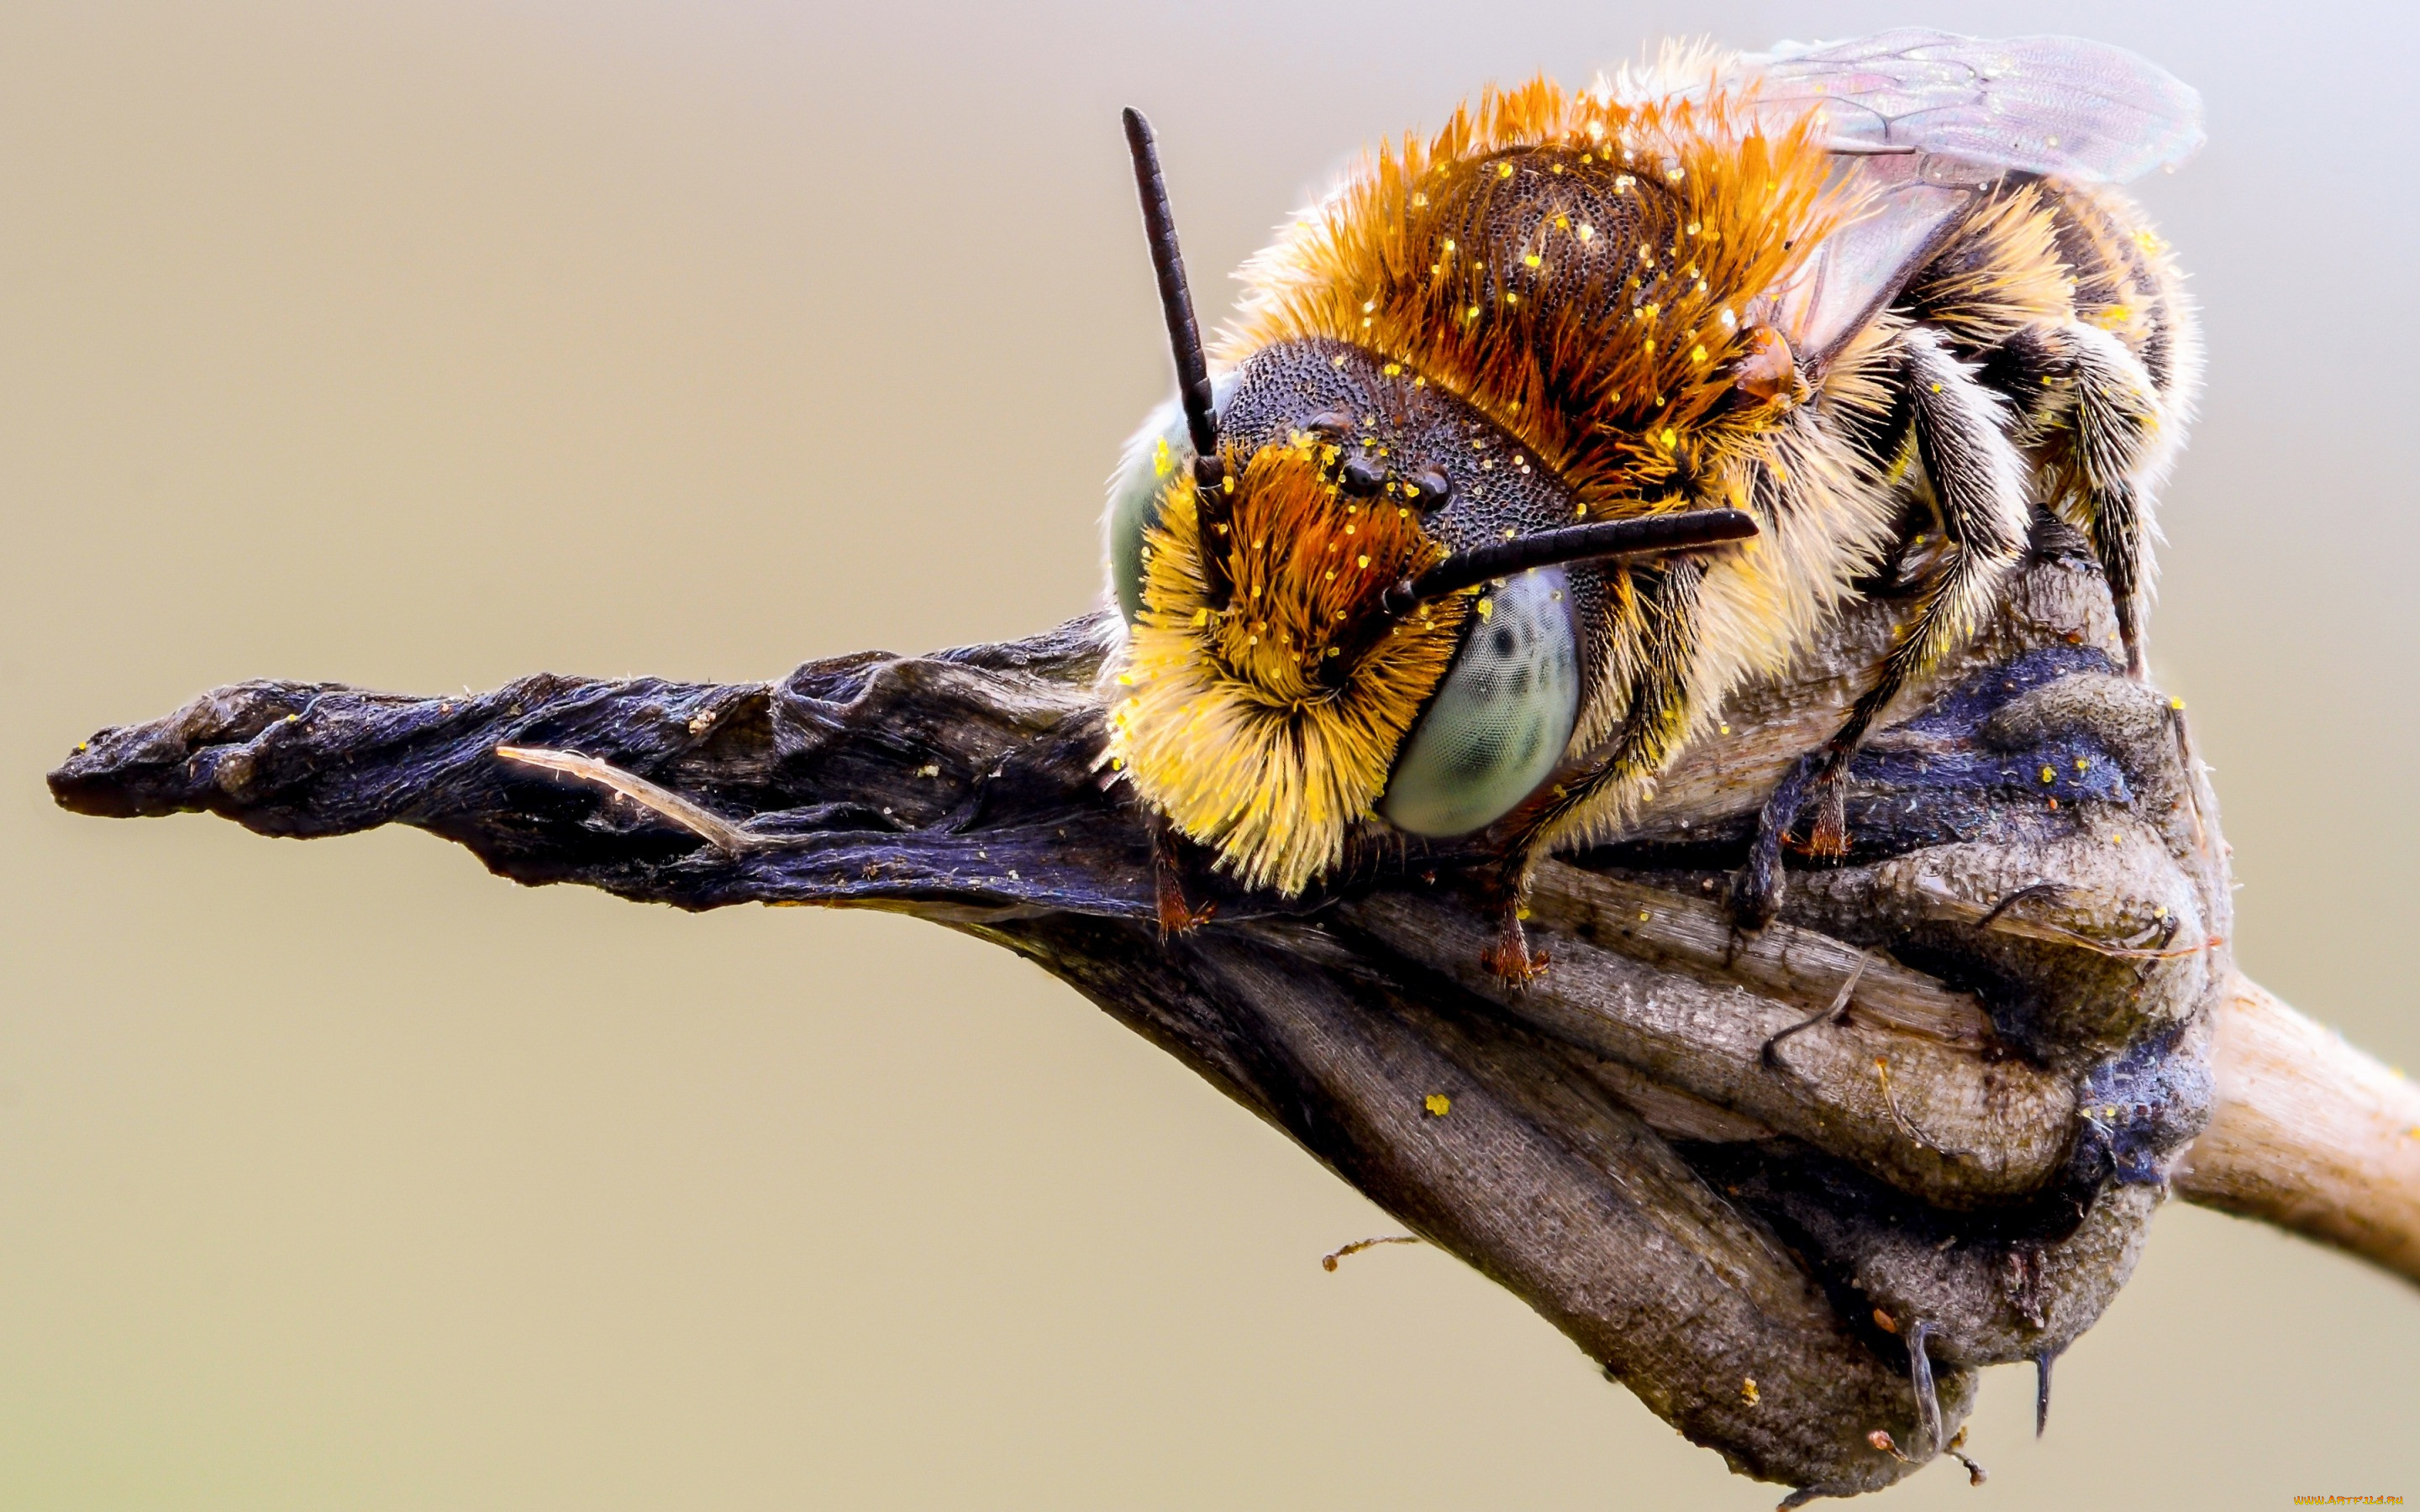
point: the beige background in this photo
(425, 344)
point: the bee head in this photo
(1270, 678)
(1297, 637)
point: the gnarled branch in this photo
(1920, 1121)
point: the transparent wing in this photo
(1970, 108)
(1923, 119)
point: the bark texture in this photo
(1770, 1181)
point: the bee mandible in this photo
(1535, 438)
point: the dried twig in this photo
(1611, 1142)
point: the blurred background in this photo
(425, 345)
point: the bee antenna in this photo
(1647, 535)
(1177, 304)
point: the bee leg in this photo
(2115, 417)
(1510, 957)
(1507, 892)
(2088, 392)
(1176, 916)
(1978, 482)
(1756, 890)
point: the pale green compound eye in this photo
(1134, 490)
(1501, 720)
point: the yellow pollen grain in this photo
(1361, 561)
(1485, 608)
(1437, 1105)
(2049, 776)
(1503, 170)
(1532, 259)
(1562, 222)
(1697, 354)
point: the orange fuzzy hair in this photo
(1228, 727)
(1609, 366)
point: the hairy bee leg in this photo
(1660, 709)
(2115, 420)
(1978, 482)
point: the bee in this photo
(1538, 436)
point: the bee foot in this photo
(1511, 958)
(1755, 887)
(1176, 916)
(1829, 839)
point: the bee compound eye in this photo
(1361, 477)
(1430, 489)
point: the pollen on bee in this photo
(1362, 561)
(1512, 299)
(1471, 314)
(1586, 232)
(1532, 259)
(1394, 369)
(2048, 775)
(1697, 354)
(1368, 305)
(1693, 228)
(1622, 182)
(1503, 170)
(1485, 608)
(1419, 199)
(1449, 244)
(1200, 618)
